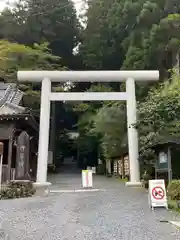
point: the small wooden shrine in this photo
(167, 163)
(19, 134)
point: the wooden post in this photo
(53, 132)
(108, 166)
(169, 165)
(123, 170)
(22, 156)
(1, 161)
(9, 158)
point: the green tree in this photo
(14, 57)
(131, 35)
(100, 46)
(110, 124)
(159, 115)
(37, 21)
(88, 140)
(127, 34)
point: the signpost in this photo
(22, 155)
(157, 194)
(87, 181)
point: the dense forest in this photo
(115, 34)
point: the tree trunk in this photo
(123, 170)
(108, 166)
(9, 158)
(176, 61)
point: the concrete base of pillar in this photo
(134, 184)
(42, 189)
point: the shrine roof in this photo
(26, 117)
(10, 105)
(10, 99)
(166, 143)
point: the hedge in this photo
(17, 189)
(173, 190)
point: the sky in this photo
(78, 4)
(3, 3)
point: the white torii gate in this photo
(46, 77)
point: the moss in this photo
(123, 180)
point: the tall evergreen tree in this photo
(130, 34)
(36, 21)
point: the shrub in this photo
(17, 189)
(173, 190)
(145, 179)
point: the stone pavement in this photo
(114, 213)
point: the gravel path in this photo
(114, 213)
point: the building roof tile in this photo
(10, 99)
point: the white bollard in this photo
(94, 170)
(89, 168)
(87, 181)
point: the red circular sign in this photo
(158, 193)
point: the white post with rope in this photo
(87, 180)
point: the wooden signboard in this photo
(22, 157)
